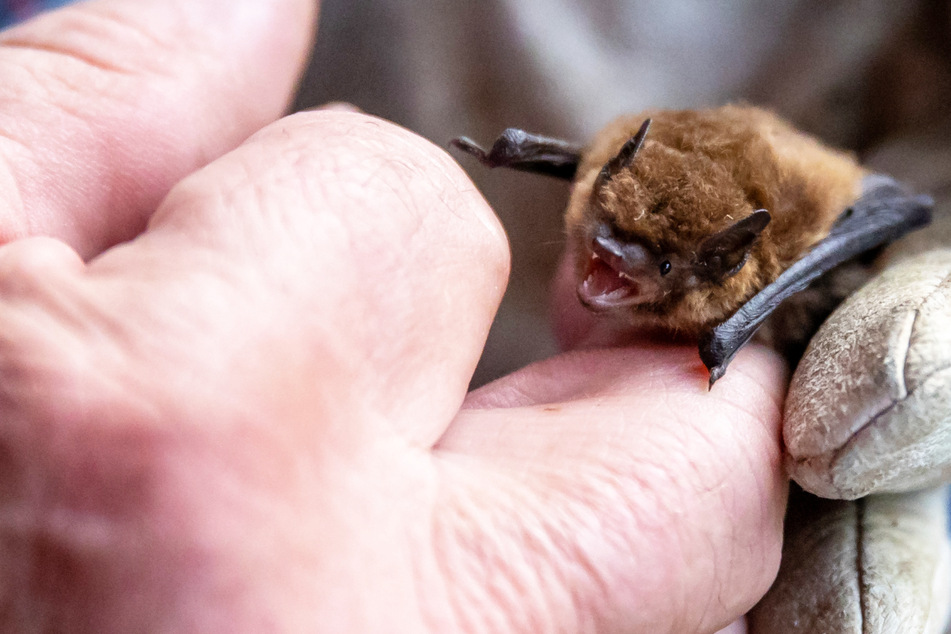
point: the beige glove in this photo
(869, 408)
(876, 565)
(869, 411)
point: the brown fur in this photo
(698, 172)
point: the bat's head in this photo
(664, 234)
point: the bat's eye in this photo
(665, 267)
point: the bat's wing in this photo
(884, 213)
(525, 151)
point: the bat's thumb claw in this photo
(469, 146)
(713, 356)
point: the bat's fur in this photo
(698, 172)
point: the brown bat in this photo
(713, 221)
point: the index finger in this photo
(105, 104)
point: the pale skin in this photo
(233, 372)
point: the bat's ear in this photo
(624, 157)
(724, 253)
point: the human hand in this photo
(253, 416)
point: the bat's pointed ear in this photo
(724, 253)
(624, 157)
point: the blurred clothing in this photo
(12, 11)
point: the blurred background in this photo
(872, 76)
(16, 10)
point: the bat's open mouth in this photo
(604, 288)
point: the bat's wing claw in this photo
(472, 148)
(718, 347)
(507, 151)
(520, 150)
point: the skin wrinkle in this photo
(11, 204)
(248, 188)
(564, 542)
(448, 618)
(316, 192)
(145, 48)
(710, 600)
(148, 39)
(51, 48)
(543, 541)
(715, 489)
(504, 586)
(355, 471)
(29, 115)
(87, 21)
(431, 164)
(240, 193)
(539, 540)
(18, 344)
(449, 571)
(400, 185)
(645, 498)
(91, 24)
(85, 320)
(446, 572)
(593, 596)
(83, 386)
(13, 199)
(596, 593)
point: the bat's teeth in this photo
(603, 288)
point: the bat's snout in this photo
(617, 274)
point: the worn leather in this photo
(869, 412)
(875, 565)
(869, 407)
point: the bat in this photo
(708, 223)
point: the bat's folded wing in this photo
(884, 213)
